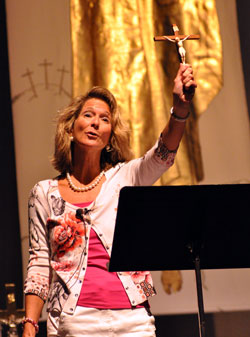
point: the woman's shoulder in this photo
(43, 186)
(47, 182)
(114, 169)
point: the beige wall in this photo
(224, 127)
(39, 30)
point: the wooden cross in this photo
(11, 316)
(178, 39)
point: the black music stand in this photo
(182, 228)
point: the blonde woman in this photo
(72, 219)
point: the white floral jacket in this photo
(59, 240)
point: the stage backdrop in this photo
(40, 68)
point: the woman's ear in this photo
(71, 137)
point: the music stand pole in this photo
(201, 314)
(195, 247)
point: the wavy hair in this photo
(119, 141)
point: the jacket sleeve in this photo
(147, 169)
(38, 271)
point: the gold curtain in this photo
(113, 46)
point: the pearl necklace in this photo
(85, 188)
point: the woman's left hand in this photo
(184, 89)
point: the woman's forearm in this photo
(173, 133)
(33, 308)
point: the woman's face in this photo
(92, 128)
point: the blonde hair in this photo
(119, 142)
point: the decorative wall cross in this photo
(178, 40)
(45, 64)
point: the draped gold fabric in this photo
(113, 46)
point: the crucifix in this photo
(178, 40)
(11, 316)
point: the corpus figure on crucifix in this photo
(178, 39)
(181, 49)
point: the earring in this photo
(71, 138)
(108, 148)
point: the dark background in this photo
(10, 243)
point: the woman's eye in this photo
(87, 114)
(106, 119)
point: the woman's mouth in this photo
(92, 134)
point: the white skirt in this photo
(86, 322)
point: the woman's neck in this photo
(87, 166)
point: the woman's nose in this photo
(95, 122)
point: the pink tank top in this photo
(101, 289)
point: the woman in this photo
(72, 219)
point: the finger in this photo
(187, 73)
(189, 92)
(188, 82)
(187, 78)
(182, 69)
(185, 66)
(183, 75)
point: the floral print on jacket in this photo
(67, 233)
